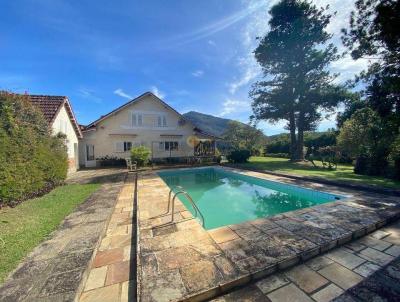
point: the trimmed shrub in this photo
(238, 156)
(141, 155)
(32, 161)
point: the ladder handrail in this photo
(197, 210)
(169, 195)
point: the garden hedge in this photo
(32, 160)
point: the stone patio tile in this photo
(165, 287)
(97, 278)
(201, 274)
(318, 263)
(223, 234)
(394, 237)
(379, 234)
(174, 258)
(376, 256)
(393, 251)
(264, 224)
(61, 283)
(164, 230)
(249, 233)
(105, 243)
(153, 244)
(127, 252)
(355, 246)
(118, 272)
(119, 230)
(226, 267)
(328, 293)
(340, 275)
(128, 292)
(247, 294)
(367, 269)
(345, 258)
(120, 241)
(206, 248)
(272, 282)
(377, 244)
(103, 294)
(305, 278)
(108, 256)
(149, 265)
(289, 293)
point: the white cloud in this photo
(89, 94)
(232, 106)
(198, 73)
(211, 42)
(121, 93)
(157, 92)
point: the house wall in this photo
(63, 124)
(119, 128)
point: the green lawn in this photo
(343, 172)
(28, 224)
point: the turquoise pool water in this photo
(225, 197)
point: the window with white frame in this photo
(171, 146)
(162, 121)
(137, 119)
(123, 146)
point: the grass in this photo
(342, 173)
(25, 226)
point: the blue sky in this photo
(196, 55)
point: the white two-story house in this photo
(145, 120)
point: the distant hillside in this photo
(208, 123)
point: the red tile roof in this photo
(51, 105)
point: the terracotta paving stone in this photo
(223, 234)
(328, 293)
(103, 294)
(340, 275)
(345, 258)
(289, 293)
(305, 278)
(118, 272)
(120, 241)
(97, 278)
(108, 256)
(375, 256)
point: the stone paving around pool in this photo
(112, 276)
(367, 269)
(54, 270)
(182, 261)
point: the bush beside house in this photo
(32, 161)
(140, 155)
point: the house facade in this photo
(59, 115)
(148, 121)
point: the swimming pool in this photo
(226, 197)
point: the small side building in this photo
(58, 113)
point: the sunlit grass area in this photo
(28, 224)
(342, 173)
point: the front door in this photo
(90, 161)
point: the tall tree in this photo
(294, 56)
(374, 33)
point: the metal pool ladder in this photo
(182, 191)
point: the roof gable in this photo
(51, 105)
(140, 98)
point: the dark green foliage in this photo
(295, 57)
(32, 161)
(110, 161)
(242, 136)
(140, 155)
(238, 156)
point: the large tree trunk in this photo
(293, 140)
(300, 139)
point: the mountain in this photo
(209, 123)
